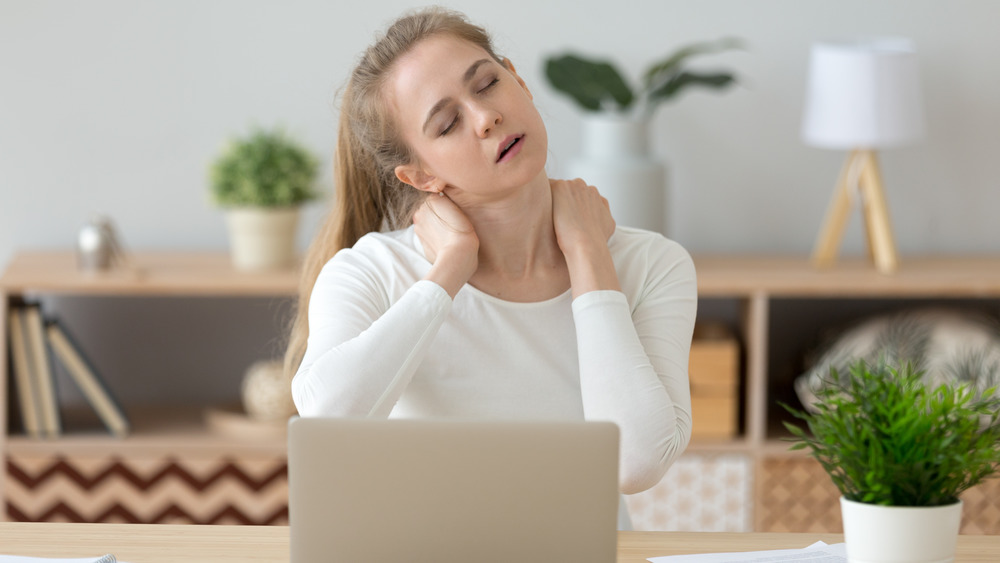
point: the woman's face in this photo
(468, 119)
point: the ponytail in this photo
(368, 196)
(358, 209)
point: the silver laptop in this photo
(435, 491)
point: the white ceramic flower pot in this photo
(900, 534)
(262, 238)
(615, 158)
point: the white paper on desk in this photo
(23, 559)
(818, 552)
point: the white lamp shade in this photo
(863, 94)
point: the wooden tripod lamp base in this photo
(861, 170)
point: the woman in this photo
(469, 284)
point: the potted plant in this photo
(615, 140)
(900, 452)
(261, 180)
(597, 86)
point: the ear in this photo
(413, 175)
(510, 67)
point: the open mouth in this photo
(512, 143)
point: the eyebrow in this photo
(470, 73)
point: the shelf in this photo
(167, 274)
(156, 430)
(720, 276)
(184, 430)
(735, 445)
(211, 274)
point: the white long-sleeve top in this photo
(383, 343)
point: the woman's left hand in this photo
(580, 215)
(583, 224)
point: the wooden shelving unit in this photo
(753, 286)
(790, 491)
(778, 307)
(757, 282)
(212, 477)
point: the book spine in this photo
(23, 379)
(42, 370)
(90, 383)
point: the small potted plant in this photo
(262, 180)
(615, 136)
(900, 452)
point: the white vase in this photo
(262, 238)
(900, 534)
(615, 158)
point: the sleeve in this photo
(362, 351)
(634, 365)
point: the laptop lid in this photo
(394, 491)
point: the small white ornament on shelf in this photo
(267, 395)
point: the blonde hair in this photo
(369, 197)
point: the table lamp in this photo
(862, 95)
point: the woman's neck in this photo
(519, 258)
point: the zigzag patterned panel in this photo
(796, 495)
(211, 490)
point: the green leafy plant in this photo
(598, 86)
(264, 169)
(885, 437)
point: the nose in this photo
(487, 118)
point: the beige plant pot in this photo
(900, 534)
(616, 158)
(262, 238)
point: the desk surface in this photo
(158, 543)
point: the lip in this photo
(513, 150)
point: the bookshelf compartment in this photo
(800, 329)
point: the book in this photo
(41, 369)
(23, 380)
(93, 387)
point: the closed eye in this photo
(454, 122)
(450, 126)
(490, 85)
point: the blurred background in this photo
(119, 107)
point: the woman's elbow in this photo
(642, 472)
(632, 482)
(303, 397)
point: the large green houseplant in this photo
(261, 180)
(598, 86)
(901, 452)
(615, 127)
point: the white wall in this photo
(119, 106)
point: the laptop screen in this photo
(381, 491)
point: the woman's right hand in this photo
(449, 240)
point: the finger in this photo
(449, 214)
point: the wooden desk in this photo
(151, 543)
